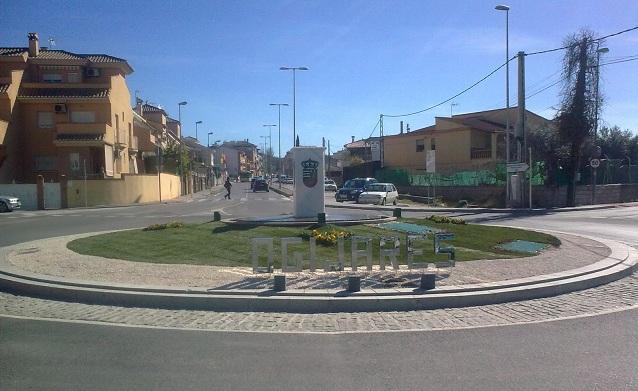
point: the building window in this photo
(433, 144)
(74, 161)
(44, 163)
(83, 117)
(73, 77)
(420, 146)
(52, 78)
(45, 119)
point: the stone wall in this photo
(545, 197)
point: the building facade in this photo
(64, 113)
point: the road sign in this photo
(594, 163)
(517, 167)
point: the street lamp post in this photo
(294, 99)
(197, 123)
(208, 141)
(507, 99)
(270, 145)
(279, 132)
(179, 158)
(599, 51)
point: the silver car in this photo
(9, 203)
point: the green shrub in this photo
(446, 220)
(159, 227)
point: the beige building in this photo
(64, 113)
(461, 142)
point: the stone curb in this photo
(478, 210)
(622, 262)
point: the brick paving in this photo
(618, 295)
(51, 257)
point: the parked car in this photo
(260, 184)
(288, 180)
(9, 203)
(353, 188)
(329, 185)
(253, 179)
(379, 194)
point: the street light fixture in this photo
(279, 131)
(197, 123)
(179, 158)
(208, 141)
(502, 7)
(270, 144)
(294, 99)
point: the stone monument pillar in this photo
(309, 176)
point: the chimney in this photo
(138, 106)
(352, 138)
(401, 128)
(34, 45)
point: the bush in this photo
(446, 220)
(327, 236)
(159, 227)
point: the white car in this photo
(9, 203)
(380, 194)
(329, 185)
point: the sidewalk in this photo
(287, 191)
(50, 257)
(46, 269)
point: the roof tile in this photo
(91, 93)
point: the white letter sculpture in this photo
(256, 244)
(366, 252)
(391, 253)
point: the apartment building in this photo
(461, 142)
(63, 113)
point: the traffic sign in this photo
(594, 163)
(517, 167)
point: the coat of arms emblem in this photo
(309, 172)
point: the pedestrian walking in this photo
(227, 185)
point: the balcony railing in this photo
(481, 153)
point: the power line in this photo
(453, 97)
(375, 128)
(543, 89)
(618, 61)
(576, 44)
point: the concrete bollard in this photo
(321, 218)
(428, 281)
(354, 283)
(280, 283)
(396, 213)
(217, 216)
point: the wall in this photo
(28, 195)
(127, 190)
(544, 197)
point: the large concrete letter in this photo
(262, 242)
(366, 252)
(296, 256)
(390, 253)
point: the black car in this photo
(260, 184)
(353, 188)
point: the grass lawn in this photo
(217, 243)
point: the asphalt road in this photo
(593, 353)
(596, 353)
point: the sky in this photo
(365, 58)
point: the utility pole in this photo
(381, 140)
(521, 139)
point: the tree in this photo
(578, 112)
